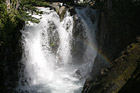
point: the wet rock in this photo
(61, 10)
(138, 39)
(87, 86)
(72, 11)
(92, 17)
(78, 74)
(79, 35)
(120, 74)
(103, 71)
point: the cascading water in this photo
(47, 55)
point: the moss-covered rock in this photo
(123, 70)
(62, 12)
(116, 31)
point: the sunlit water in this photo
(47, 54)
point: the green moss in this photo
(57, 10)
(123, 78)
(62, 15)
(120, 72)
(52, 44)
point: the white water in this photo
(54, 72)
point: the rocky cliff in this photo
(116, 68)
(122, 76)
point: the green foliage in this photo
(24, 10)
(3, 14)
(41, 3)
(20, 11)
(28, 7)
(13, 19)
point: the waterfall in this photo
(48, 65)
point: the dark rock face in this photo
(72, 11)
(78, 47)
(112, 39)
(122, 75)
(52, 36)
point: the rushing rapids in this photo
(49, 64)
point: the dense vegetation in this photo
(17, 14)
